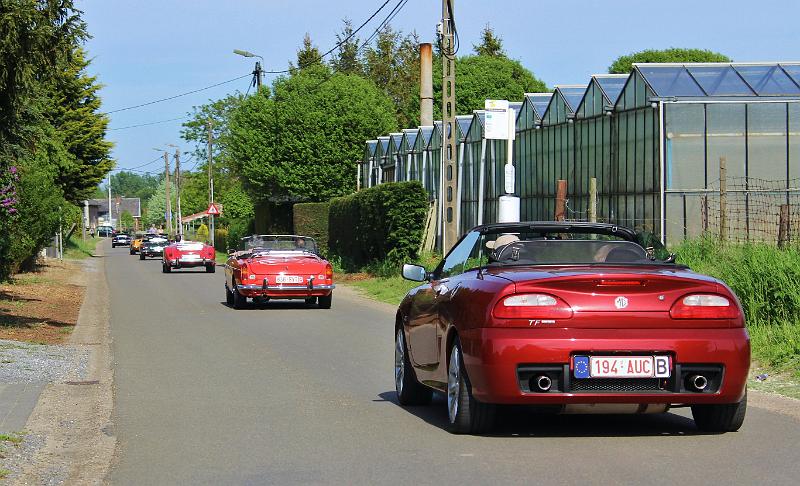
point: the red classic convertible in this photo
(278, 267)
(576, 317)
(189, 254)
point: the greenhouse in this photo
(653, 141)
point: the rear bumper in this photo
(494, 358)
(285, 291)
(152, 254)
(190, 263)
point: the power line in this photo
(148, 124)
(177, 95)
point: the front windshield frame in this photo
(267, 244)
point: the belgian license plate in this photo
(621, 366)
(289, 279)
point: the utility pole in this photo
(449, 167)
(169, 201)
(211, 180)
(178, 192)
(109, 199)
(257, 73)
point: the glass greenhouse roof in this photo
(411, 136)
(371, 146)
(611, 84)
(384, 143)
(539, 101)
(572, 95)
(396, 138)
(722, 79)
(427, 132)
(464, 121)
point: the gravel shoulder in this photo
(69, 436)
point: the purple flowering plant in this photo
(8, 191)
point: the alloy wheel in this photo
(399, 361)
(453, 384)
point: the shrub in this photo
(202, 233)
(384, 222)
(311, 219)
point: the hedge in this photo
(311, 219)
(385, 222)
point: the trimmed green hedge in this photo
(311, 219)
(384, 222)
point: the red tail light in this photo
(704, 306)
(532, 306)
(329, 273)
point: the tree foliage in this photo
(131, 184)
(392, 63)
(624, 64)
(481, 78)
(491, 45)
(308, 55)
(347, 59)
(302, 142)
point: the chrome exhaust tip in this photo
(698, 382)
(543, 383)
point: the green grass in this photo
(12, 438)
(767, 281)
(77, 249)
(390, 290)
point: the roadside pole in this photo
(210, 183)
(178, 193)
(448, 171)
(168, 216)
(500, 124)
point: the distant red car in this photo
(189, 254)
(278, 267)
(577, 317)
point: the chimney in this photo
(425, 85)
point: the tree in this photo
(202, 233)
(491, 45)
(130, 184)
(393, 64)
(347, 59)
(308, 55)
(484, 77)
(302, 143)
(156, 207)
(624, 64)
(126, 220)
(75, 113)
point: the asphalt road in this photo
(205, 394)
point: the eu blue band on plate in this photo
(581, 366)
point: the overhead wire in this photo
(148, 124)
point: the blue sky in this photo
(144, 50)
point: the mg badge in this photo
(621, 302)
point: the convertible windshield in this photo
(280, 243)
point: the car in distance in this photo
(120, 239)
(153, 247)
(278, 267)
(189, 254)
(576, 317)
(105, 231)
(136, 243)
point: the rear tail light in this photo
(704, 306)
(532, 306)
(328, 273)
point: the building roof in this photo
(721, 79)
(131, 204)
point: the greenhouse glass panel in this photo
(573, 96)
(793, 70)
(768, 80)
(670, 81)
(725, 138)
(794, 144)
(612, 86)
(720, 81)
(684, 146)
(766, 141)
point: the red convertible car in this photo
(575, 317)
(189, 254)
(278, 267)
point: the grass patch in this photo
(4, 473)
(12, 438)
(382, 280)
(77, 249)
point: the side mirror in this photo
(416, 273)
(671, 258)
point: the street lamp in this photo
(257, 72)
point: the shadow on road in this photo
(275, 304)
(521, 421)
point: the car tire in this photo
(166, 268)
(311, 300)
(239, 300)
(141, 256)
(211, 268)
(325, 301)
(228, 296)
(132, 252)
(409, 390)
(465, 414)
(113, 245)
(727, 417)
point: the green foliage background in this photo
(624, 64)
(311, 219)
(384, 222)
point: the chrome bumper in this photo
(286, 287)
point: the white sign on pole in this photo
(510, 179)
(496, 121)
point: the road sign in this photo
(497, 125)
(213, 210)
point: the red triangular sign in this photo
(213, 210)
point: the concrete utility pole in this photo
(109, 199)
(178, 192)
(168, 216)
(449, 167)
(210, 181)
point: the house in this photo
(96, 211)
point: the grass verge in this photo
(77, 249)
